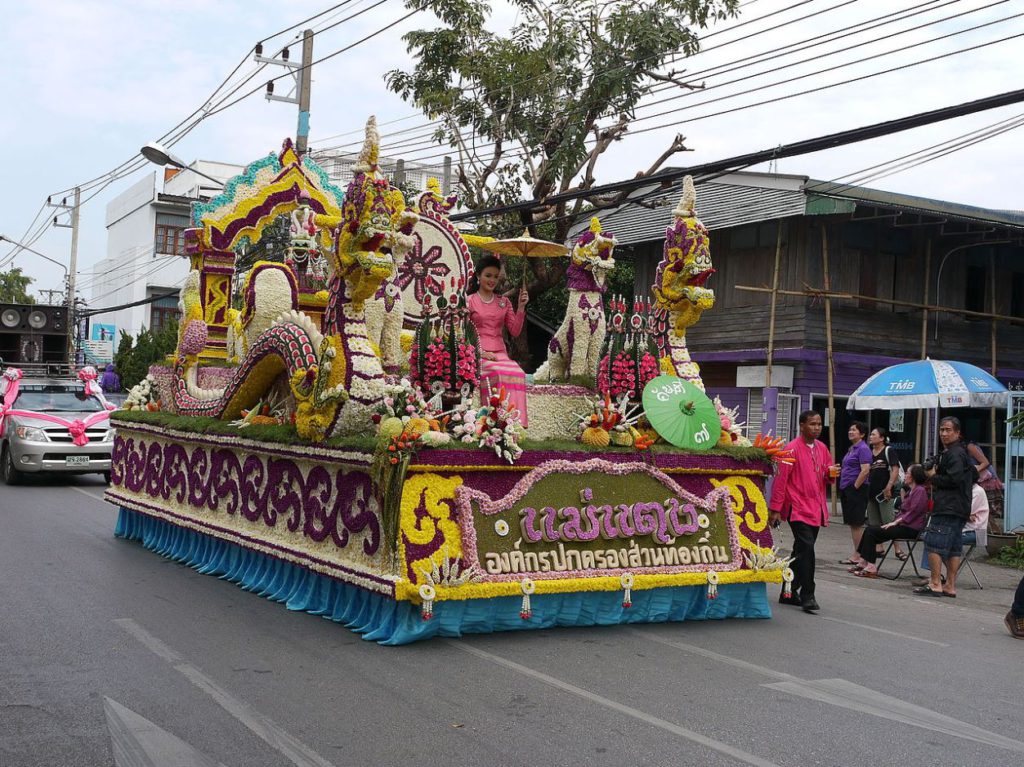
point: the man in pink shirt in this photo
(798, 496)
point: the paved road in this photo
(109, 652)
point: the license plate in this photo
(76, 460)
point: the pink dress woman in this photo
(490, 318)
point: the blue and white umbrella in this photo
(928, 384)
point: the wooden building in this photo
(887, 263)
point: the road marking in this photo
(675, 729)
(839, 692)
(296, 752)
(738, 663)
(138, 742)
(882, 631)
(83, 491)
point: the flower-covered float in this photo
(362, 479)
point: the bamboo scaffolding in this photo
(775, 301)
(924, 336)
(827, 280)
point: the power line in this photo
(669, 60)
(786, 97)
(806, 146)
(767, 55)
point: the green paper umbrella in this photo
(681, 413)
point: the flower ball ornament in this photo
(626, 581)
(528, 587)
(787, 582)
(193, 340)
(712, 584)
(427, 594)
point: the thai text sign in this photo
(567, 519)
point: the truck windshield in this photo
(53, 399)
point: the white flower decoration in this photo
(528, 586)
(501, 527)
(626, 580)
(703, 521)
(712, 577)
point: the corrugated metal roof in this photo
(719, 206)
(910, 203)
(766, 197)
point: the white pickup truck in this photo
(52, 425)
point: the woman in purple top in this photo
(910, 522)
(853, 487)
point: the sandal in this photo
(947, 594)
(902, 556)
(866, 574)
(847, 562)
(925, 591)
(855, 570)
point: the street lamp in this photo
(158, 155)
(23, 246)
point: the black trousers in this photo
(875, 535)
(1018, 601)
(804, 537)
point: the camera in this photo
(929, 463)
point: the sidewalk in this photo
(834, 543)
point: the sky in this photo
(90, 81)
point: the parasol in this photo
(526, 246)
(681, 413)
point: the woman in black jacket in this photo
(951, 478)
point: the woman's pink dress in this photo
(490, 319)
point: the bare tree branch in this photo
(672, 78)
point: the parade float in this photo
(329, 449)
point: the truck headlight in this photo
(30, 434)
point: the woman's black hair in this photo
(861, 427)
(917, 473)
(883, 433)
(483, 263)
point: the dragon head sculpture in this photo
(591, 258)
(679, 283)
(375, 227)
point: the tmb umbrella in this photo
(681, 413)
(929, 384)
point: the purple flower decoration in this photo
(425, 271)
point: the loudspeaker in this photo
(33, 318)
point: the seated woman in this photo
(492, 313)
(907, 526)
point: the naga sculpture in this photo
(679, 283)
(332, 371)
(575, 349)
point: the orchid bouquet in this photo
(495, 426)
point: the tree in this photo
(14, 287)
(135, 355)
(540, 106)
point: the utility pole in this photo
(72, 324)
(70, 297)
(302, 74)
(305, 81)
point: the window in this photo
(1017, 295)
(170, 234)
(162, 312)
(974, 289)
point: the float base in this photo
(383, 619)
